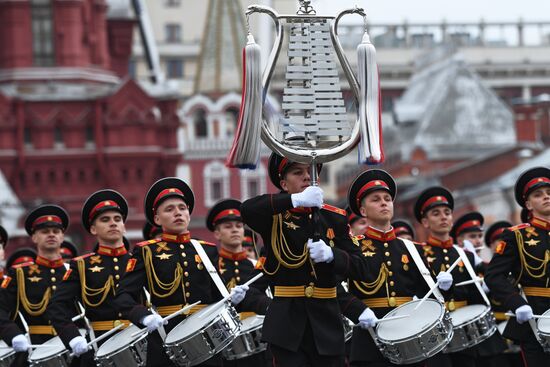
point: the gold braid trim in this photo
(231, 284)
(373, 287)
(86, 291)
(153, 279)
(33, 309)
(523, 254)
(281, 249)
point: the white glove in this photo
(238, 293)
(470, 247)
(20, 343)
(367, 319)
(445, 280)
(311, 197)
(319, 251)
(152, 322)
(524, 313)
(79, 345)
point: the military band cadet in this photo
(169, 268)
(68, 251)
(303, 325)
(357, 224)
(225, 221)
(434, 210)
(29, 287)
(20, 256)
(92, 279)
(403, 229)
(394, 277)
(468, 233)
(150, 231)
(523, 253)
(493, 236)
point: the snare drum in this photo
(423, 334)
(248, 341)
(203, 334)
(123, 350)
(543, 329)
(56, 355)
(471, 324)
(7, 355)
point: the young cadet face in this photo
(438, 220)
(476, 238)
(539, 202)
(108, 227)
(359, 226)
(230, 233)
(48, 238)
(377, 207)
(173, 216)
(296, 178)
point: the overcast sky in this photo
(381, 11)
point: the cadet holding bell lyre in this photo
(92, 279)
(524, 252)
(303, 324)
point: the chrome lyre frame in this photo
(311, 156)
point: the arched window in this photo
(253, 182)
(216, 183)
(231, 118)
(201, 127)
(58, 141)
(42, 33)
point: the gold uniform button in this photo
(116, 323)
(117, 277)
(119, 314)
(309, 291)
(447, 266)
(390, 273)
(387, 253)
(200, 266)
(186, 274)
(386, 244)
(392, 294)
(54, 287)
(445, 250)
(238, 279)
(236, 263)
(53, 279)
(116, 267)
(183, 254)
(392, 302)
(237, 271)
(451, 305)
(181, 246)
(185, 263)
(392, 283)
(115, 259)
(388, 263)
(187, 294)
(187, 284)
(52, 271)
(446, 258)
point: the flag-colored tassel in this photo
(245, 151)
(370, 104)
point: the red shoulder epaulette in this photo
(148, 242)
(207, 243)
(22, 264)
(519, 226)
(83, 256)
(334, 209)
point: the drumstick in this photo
(391, 318)
(466, 282)
(100, 338)
(224, 299)
(511, 314)
(436, 284)
(169, 317)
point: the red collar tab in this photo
(284, 163)
(233, 255)
(165, 192)
(112, 251)
(104, 204)
(401, 230)
(466, 225)
(374, 184)
(179, 238)
(540, 223)
(45, 219)
(49, 263)
(226, 213)
(496, 233)
(534, 182)
(432, 241)
(380, 235)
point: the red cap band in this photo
(466, 225)
(45, 219)
(101, 205)
(369, 185)
(226, 213)
(164, 193)
(400, 230)
(533, 182)
(433, 200)
(496, 233)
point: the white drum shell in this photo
(123, 350)
(543, 330)
(56, 356)
(201, 343)
(7, 355)
(477, 323)
(430, 339)
(249, 341)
